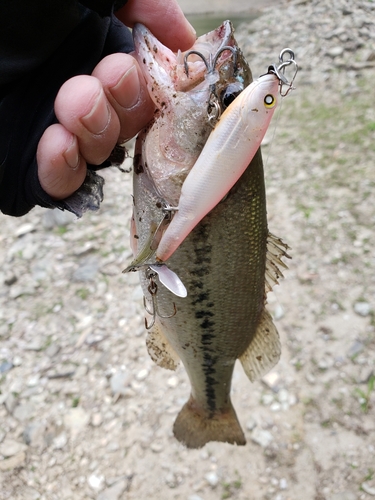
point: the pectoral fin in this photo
(160, 350)
(264, 350)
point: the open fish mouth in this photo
(190, 68)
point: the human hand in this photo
(110, 106)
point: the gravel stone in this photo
(119, 383)
(76, 420)
(262, 437)
(13, 462)
(95, 481)
(34, 434)
(142, 375)
(362, 308)
(9, 448)
(114, 492)
(370, 490)
(212, 478)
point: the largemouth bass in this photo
(227, 261)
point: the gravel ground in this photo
(84, 413)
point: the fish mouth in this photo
(165, 66)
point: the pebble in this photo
(335, 51)
(251, 424)
(13, 462)
(267, 399)
(17, 361)
(262, 437)
(53, 349)
(114, 492)
(370, 490)
(10, 279)
(24, 411)
(96, 419)
(212, 478)
(157, 447)
(142, 375)
(362, 308)
(10, 402)
(57, 218)
(24, 229)
(278, 312)
(119, 383)
(60, 441)
(76, 420)
(9, 448)
(34, 434)
(87, 270)
(325, 363)
(283, 484)
(172, 382)
(344, 495)
(272, 380)
(95, 481)
(355, 349)
(6, 366)
(365, 374)
(194, 497)
(171, 480)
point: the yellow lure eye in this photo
(269, 101)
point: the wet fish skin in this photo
(226, 263)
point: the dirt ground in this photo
(84, 413)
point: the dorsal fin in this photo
(276, 250)
(264, 350)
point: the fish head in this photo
(167, 73)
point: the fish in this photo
(208, 301)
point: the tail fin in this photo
(194, 427)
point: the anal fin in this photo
(194, 426)
(264, 350)
(160, 350)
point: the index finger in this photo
(164, 18)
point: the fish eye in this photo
(230, 93)
(269, 101)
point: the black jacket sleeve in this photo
(42, 44)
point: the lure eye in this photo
(230, 93)
(269, 101)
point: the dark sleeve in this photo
(40, 48)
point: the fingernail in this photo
(127, 89)
(97, 120)
(191, 28)
(71, 155)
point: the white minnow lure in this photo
(224, 158)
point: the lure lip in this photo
(169, 279)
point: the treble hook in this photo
(213, 106)
(211, 63)
(152, 289)
(279, 70)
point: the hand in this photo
(110, 106)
